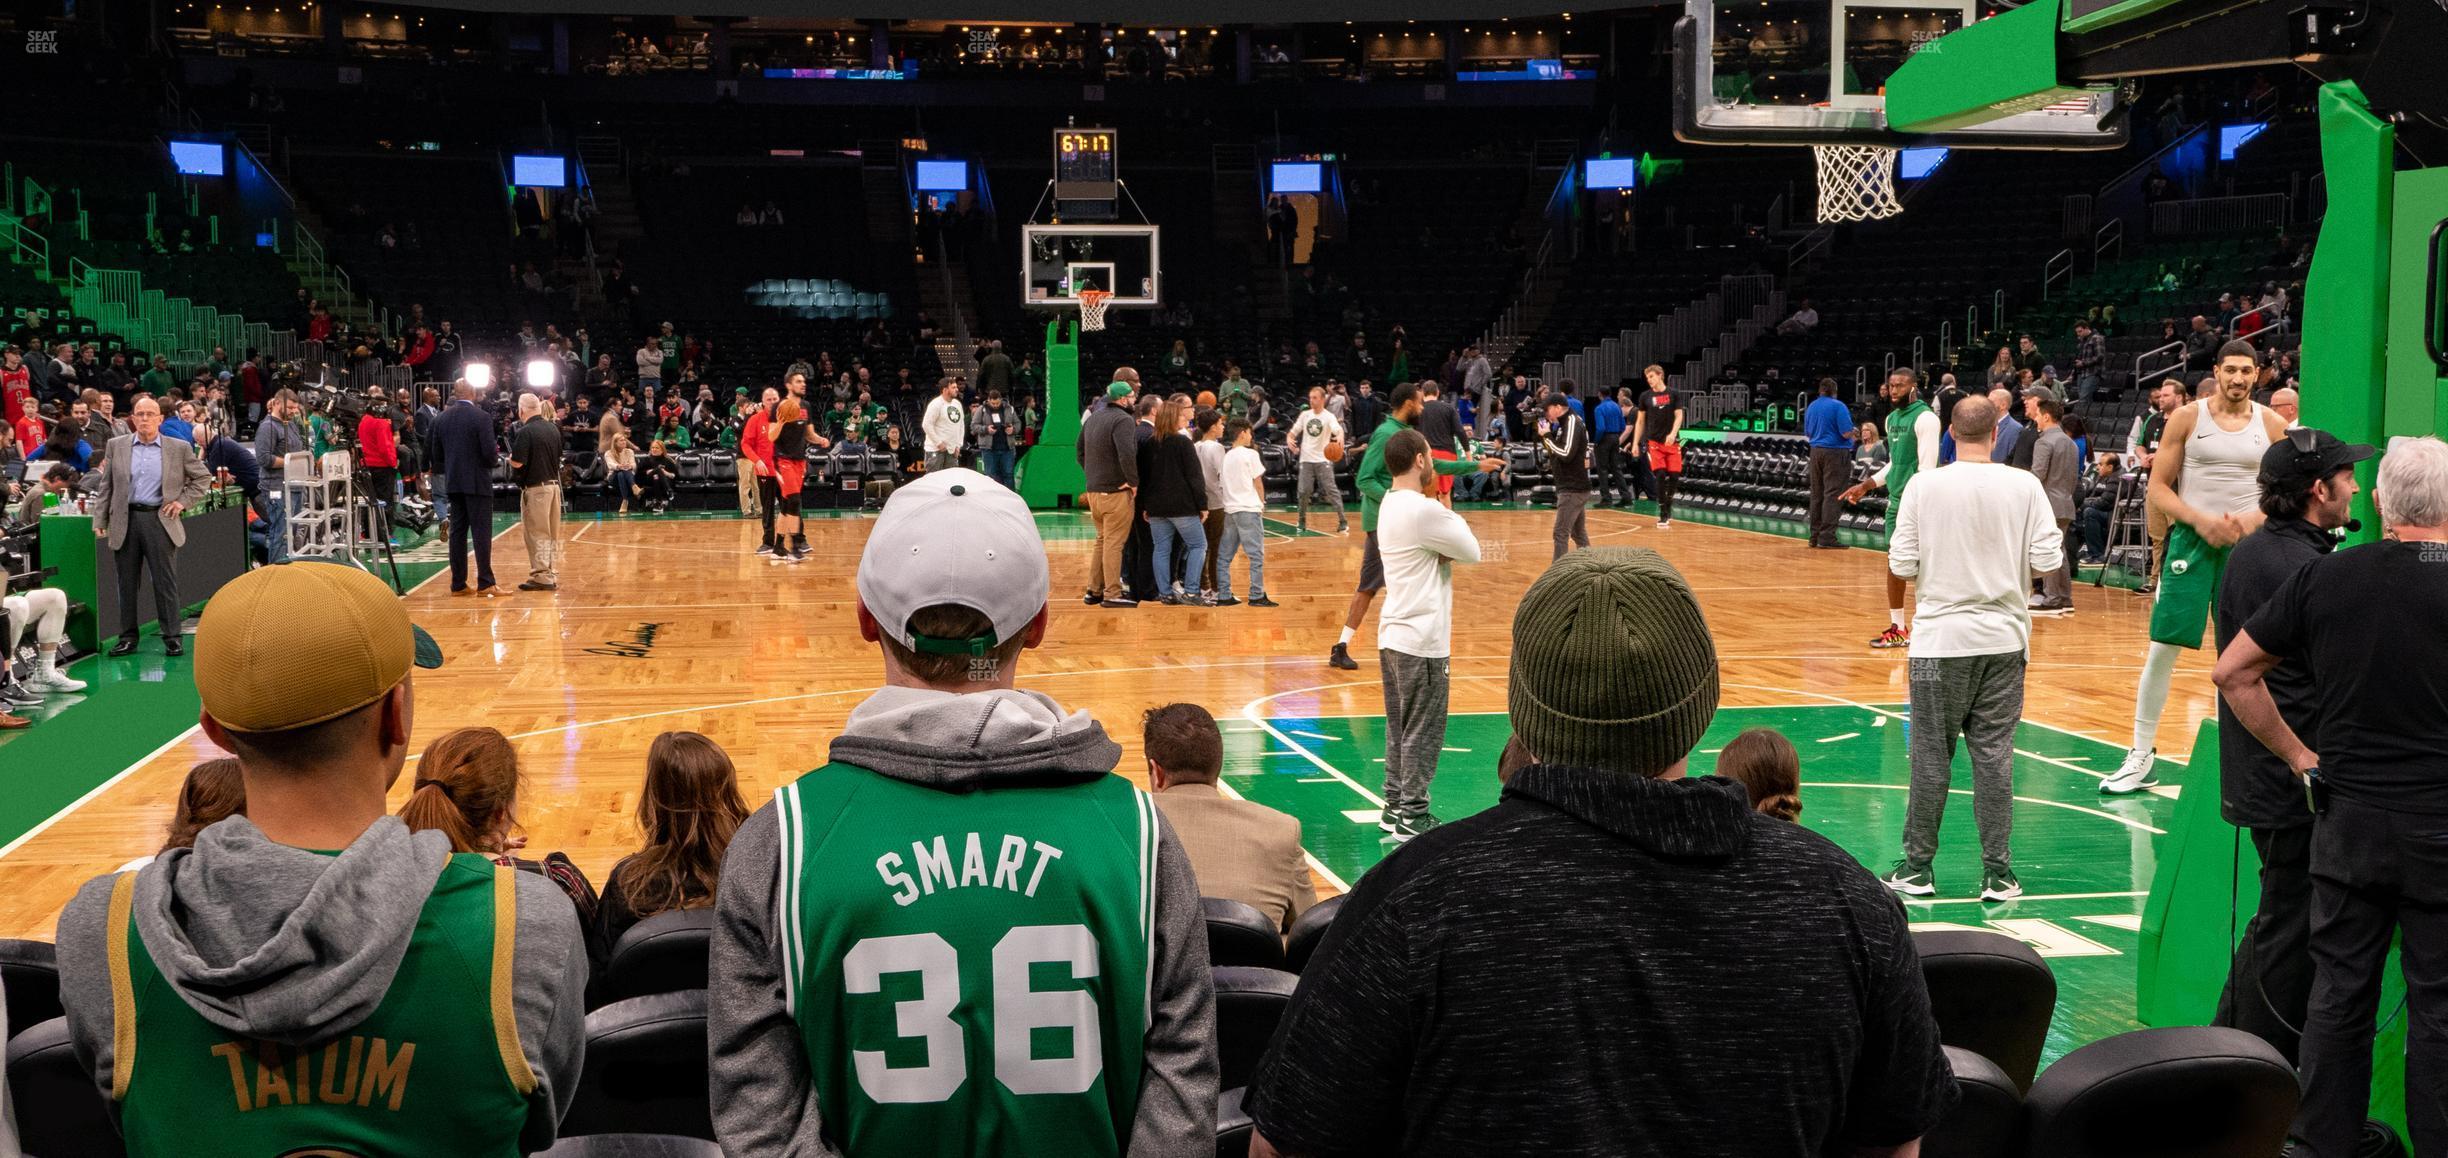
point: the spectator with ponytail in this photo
(689, 809)
(467, 785)
(214, 791)
(1764, 762)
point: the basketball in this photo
(1206, 399)
(1334, 451)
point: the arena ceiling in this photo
(1123, 12)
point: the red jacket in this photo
(756, 441)
(250, 384)
(423, 350)
(375, 445)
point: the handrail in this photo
(2150, 162)
(2139, 374)
(1812, 242)
(2222, 214)
(2060, 265)
(2103, 239)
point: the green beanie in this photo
(1613, 665)
(1118, 391)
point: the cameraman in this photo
(378, 453)
(2370, 624)
(277, 437)
(229, 460)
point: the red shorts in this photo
(1444, 481)
(1665, 458)
(788, 474)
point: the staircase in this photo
(945, 293)
(1240, 226)
(1550, 254)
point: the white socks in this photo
(1348, 633)
(1895, 615)
(2150, 698)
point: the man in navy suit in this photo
(464, 450)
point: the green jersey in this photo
(1374, 480)
(970, 971)
(436, 1069)
(1903, 448)
(671, 354)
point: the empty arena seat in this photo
(29, 973)
(1238, 934)
(2175, 1092)
(1991, 994)
(1308, 930)
(1233, 1125)
(1984, 1124)
(633, 1146)
(664, 953)
(645, 1069)
(1250, 1002)
(60, 1112)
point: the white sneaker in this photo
(2137, 774)
(52, 679)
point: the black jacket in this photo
(1567, 445)
(463, 449)
(2256, 788)
(1173, 485)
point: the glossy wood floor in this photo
(766, 659)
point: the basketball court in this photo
(671, 623)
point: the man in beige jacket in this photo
(1240, 851)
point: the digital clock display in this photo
(1084, 162)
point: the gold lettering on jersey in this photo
(358, 1069)
(934, 860)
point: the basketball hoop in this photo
(1856, 182)
(1092, 304)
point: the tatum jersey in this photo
(970, 971)
(436, 1069)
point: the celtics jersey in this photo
(436, 1069)
(1903, 448)
(970, 971)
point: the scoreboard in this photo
(1084, 165)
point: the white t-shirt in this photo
(1244, 478)
(1312, 430)
(1991, 531)
(1420, 541)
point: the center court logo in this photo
(44, 43)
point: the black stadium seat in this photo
(1308, 930)
(633, 1146)
(1985, 1122)
(2176, 1092)
(1233, 1126)
(60, 1112)
(1991, 994)
(29, 972)
(1238, 934)
(1250, 1002)
(645, 1069)
(664, 953)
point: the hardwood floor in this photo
(766, 660)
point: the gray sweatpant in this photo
(1978, 698)
(1571, 521)
(1415, 695)
(1319, 478)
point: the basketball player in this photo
(1912, 447)
(1312, 433)
(1657, 429)
(889, 928)
(1373, 480)
(2206, 479)
(1441, 424)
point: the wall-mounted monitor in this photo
(539, 170)
(1612, 173)
(942, 177)
(200, 158)
(1914, 164)
(1296, 177)
(2232, 137)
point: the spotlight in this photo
(479, 375)
(541, 373)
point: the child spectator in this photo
(1764, 762)
(1242, 478)
(688, 810)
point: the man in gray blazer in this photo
(148, 481)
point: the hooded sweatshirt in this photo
(764, 1099)
(292, 946)
(1605, 964)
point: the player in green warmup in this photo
(963, 934)
(1912, 447)
(311, 977)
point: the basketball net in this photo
(1092, 304)
(1856, 182)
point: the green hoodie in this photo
(1375, 480)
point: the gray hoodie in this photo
(764, 1101)
(292, 946)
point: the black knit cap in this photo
(1613, 664)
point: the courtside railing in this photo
(2222, 214)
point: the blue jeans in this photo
(1243, 531)
(1166, 530)
(275, 511)
(624, 487)
(997, 464)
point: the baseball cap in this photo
(954, 536)
(2306, 456)
(2043, 392)
(301, 643)
(1118, 391)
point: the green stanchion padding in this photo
(2346, 297)
(2205, 886)
(1050, 474)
